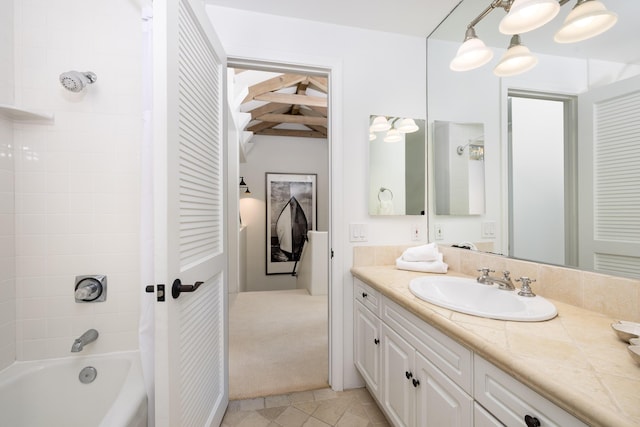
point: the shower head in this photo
(75, 81)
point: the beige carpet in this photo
(278, 343)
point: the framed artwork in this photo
(291, 212)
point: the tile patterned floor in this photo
(317, 408)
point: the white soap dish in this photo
(626, 330)
(634, 351)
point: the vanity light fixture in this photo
(393, 135)
(516, 60)
(587, 19)
(472, 54)
(527, 15)
(372, 136)
(406, 125)
(243, 185)
(380, 124)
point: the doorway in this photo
(542, 160)
(277, 327)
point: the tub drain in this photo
(87, 375)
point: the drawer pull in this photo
(364, 295)
(376, 341)
(531, 421)
(408, 375)
(415, 382)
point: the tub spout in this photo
(90, 336)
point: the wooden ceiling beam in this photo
(322, 110)
(319, 83)
(259, 127)
(302, 90)
(292, 132)
(273, 84)
(311, 113)
(272, 107)
(299, 119)
(321, 129)
(292, 99)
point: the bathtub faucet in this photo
(90, 336)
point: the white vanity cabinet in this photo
(411, 386)
(367, 336)
(367, 347)
(423, 378)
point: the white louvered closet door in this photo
(189, 134)
(609, 178)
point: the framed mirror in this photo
(458, 166)
(598, 229)
(397, 166)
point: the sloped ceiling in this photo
(285, 104)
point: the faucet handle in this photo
(485, 274)
(526, 291)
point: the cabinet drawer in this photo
(510, 401)
(367, 296)
(451, 358)
(481, 418)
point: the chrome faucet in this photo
(503, 283)
(90, 336)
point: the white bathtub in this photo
(49, 393)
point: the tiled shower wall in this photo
(7, 243)
(77, 179)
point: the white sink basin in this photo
(470, 297)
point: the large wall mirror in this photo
(584, 181)
(397, 166)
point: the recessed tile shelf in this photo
(19, 114)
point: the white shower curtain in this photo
(147, 320)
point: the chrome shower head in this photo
(75, 81)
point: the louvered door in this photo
(609, 178)
(189, 123)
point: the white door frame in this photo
(256, 59)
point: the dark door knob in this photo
(364, 295)
(376, 341)
(415, 382)
(408, 375)
(531, 421)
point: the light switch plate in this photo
(358, 232)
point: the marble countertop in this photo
(574, 360)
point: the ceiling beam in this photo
(299, 119)
(272, 107)
(275, 83)
(286, 98)
(292, 132)
(259, 127)
(319, 83)
(322, 110)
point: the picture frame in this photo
(291, 205)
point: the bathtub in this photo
(49, 392)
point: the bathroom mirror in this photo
(458, 167)
(397, 165)
(582, 71)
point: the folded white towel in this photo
(428, 252)
(423, 266)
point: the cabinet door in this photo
(440, 402)
(367, 347)
(398, 395)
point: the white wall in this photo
(7, 238)
(381, 73)
(281, 155)
(77, 181)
